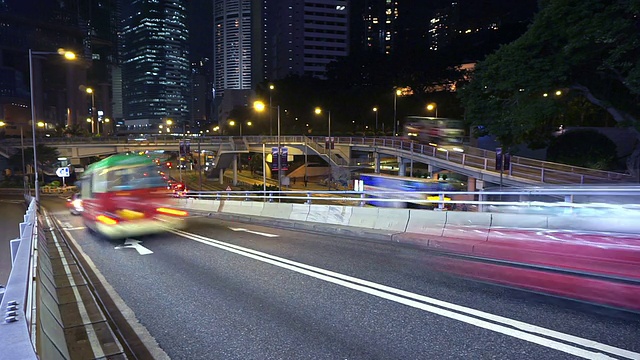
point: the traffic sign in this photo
(62, 172)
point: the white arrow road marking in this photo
(254, 232)
(135, 244)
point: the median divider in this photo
(392, 220)
(277, 210)
(628, 225)
(299, 212)
(364, 217)
(329, 214)
(251, 208)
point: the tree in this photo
(590, 48)
(46, 155)
(586, 148)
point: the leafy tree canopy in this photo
(585, 48)
(585, 148)
(46, 155)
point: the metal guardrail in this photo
(586, 200)
(17, 307)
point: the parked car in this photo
(74, 203)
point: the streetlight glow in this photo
(259, 106)
(433, 106)
(328, 144)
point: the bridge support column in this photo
(402, 167)
(376, 158)
(471, 187)
(221, 176)
(235, 170)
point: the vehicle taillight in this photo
(169, 211)
(106, 220)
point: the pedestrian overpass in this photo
(475, 163)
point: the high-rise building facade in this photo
(84, 27)
(304, 36)
(238, 64)
(232, 44)
(379, 19)
(155, 65)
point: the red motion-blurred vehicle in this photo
(124, 195)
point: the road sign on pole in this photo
(63, 172)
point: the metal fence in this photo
(17, 307)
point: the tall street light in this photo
(318, 111)
(259, 106)
(233, 123)
(433, 106)
(375, 110)
(397, 93)
(67, 55)
(271, 88)
(94, 123)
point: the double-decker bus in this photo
(403, 191)
(125, 195)
(443, 133)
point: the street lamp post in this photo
(271, 87)
(433, 106)
(95, 126)
(375, 110)
(319, 111)
(69, 56)
(396, 93)
(259, 106)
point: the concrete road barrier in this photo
(426, 222)
(277, 210)
(628, 225)
(364, 217)
(467, 225)
(299, 212)
(241, 207)
(392, 219)
(330, 214)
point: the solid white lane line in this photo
(253, 232)
(382, 290)
(91, 335)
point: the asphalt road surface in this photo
(224, 290)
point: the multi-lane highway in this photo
(242, 291)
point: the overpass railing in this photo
(524, 168)
(17, 303)
(480, 159)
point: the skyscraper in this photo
(155, 65)
(304, 36)
(237, 61)
(380, 25)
